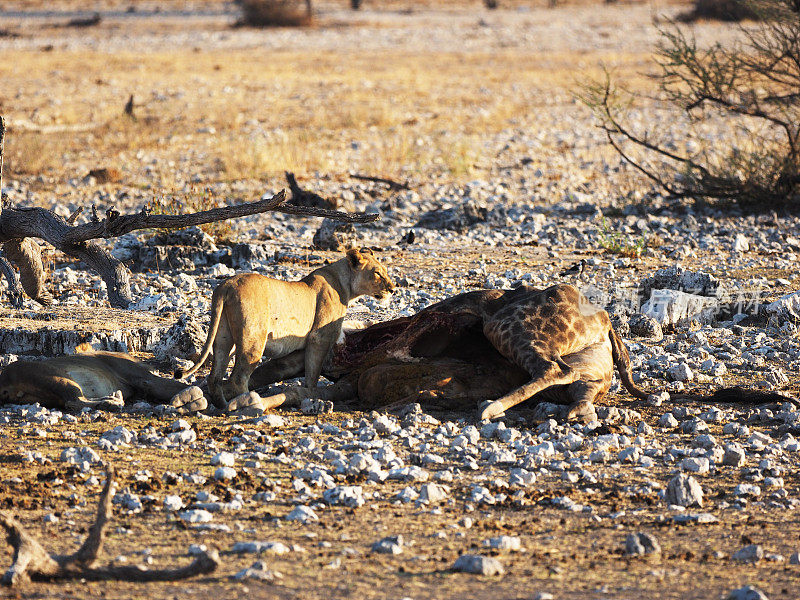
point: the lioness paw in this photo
(111, 403)
(248, 400)
(187, 396)
(193, 406)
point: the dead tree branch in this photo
(19, 223)
(43, 223)
(32, 561)
(15, 294)
(393, 185)
(27, 255)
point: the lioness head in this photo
(369, 276)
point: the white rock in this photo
(683, 490)
(407, 494)
(173, 503)
(543, 450)
(734, 455)
(303, 514)
(747, 489)
(223, 459)
(345, 495)
(658, 398)
(272, 420)
(695, 464)
(639, 544)
(180, 425)
(196, 516)
(220, 270)
(184, 436)
(631, 454)
(521, 477)
(185, 282)
(670, 307)
(740, 243)
(478, 565)
(504, 542)
(129, 501)
(392, 544)
(260, 548)
(385, 425)
(491, 430)
(154, 302)
(78, 456)
(752, 553)
(680, 372)
(119, 435)
(412, 473)
(431, 492)
(705, 440)
(786, 307)
(315, 406)
(258, 571)
(668, 421)
(747, 593)
(224, 474)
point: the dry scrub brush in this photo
(752, 88)
(276, 13)
(721, 10)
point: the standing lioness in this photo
(273, 318)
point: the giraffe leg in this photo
(584, 394)
(544, 374)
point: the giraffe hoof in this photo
(582, 411)
(491, 410)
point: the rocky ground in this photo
(510, 181)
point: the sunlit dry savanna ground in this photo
(438, 95)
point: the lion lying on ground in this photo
(260, 316)
(94, 380)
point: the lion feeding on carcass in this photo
(496, 347)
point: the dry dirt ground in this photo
(432, 96)
(568, 555)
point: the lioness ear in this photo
(84, 348)
(354, 256)
(366, 250)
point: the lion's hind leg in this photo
(223, 344)
(248, 356)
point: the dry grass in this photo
(150, 5)
(286, 110)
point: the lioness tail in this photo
(216, 317)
